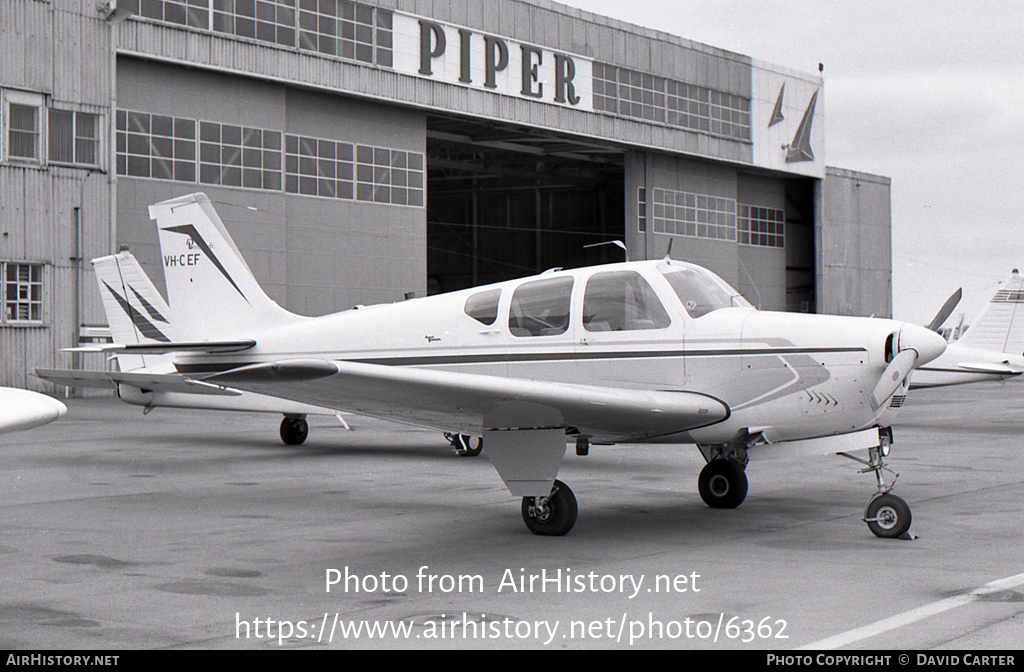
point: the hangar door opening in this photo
(505, 202)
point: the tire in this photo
(722, 484)
(468, 446)
(294, 431)
(556, 517)
(888, 516)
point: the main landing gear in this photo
(887, 515)
(465, 445)
(722, 484)
(551, 516)
(294, 429)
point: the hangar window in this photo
(318, 167)
(541, 307)
(23, 126)
(763, 227)
(622, 301)
(696, 215)
(194, 13)
(154, 145)
(483, 306)
(239, 156)
(345, 29)
(646, 96)
(74, 137)
(22, 292)
(389, 176)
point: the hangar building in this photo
(372, 151)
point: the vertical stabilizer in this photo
(1000, 327)
(135, 310)
(212, 293)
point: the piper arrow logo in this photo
(196, 240)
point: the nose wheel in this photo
(887, 516)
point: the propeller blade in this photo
(898, 369)
(946, 310)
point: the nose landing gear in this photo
(886, 515)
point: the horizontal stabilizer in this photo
(163, 348)
(446, 399)
(156, 382)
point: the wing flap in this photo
(446, 399)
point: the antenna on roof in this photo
(616, 243)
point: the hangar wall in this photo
(316, 240)
(855, 244)
(322, 130)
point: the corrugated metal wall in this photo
(56, 216)
(562, 29)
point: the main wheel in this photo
(468, 446)
(553, 515)
(722, 484)
(887, 516)
(294, 430)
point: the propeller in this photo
(899, 368)
(912, 345)
(946, 310)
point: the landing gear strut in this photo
(887, 515)
(553, 515)
(294, 429)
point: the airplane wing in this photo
(156, 382)
(990, 367)
(23, 409)
(470, 403)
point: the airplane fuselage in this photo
(789, 376)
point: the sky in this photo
(927, 93)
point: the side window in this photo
(541, 307)
(483, 306)
(622, 301)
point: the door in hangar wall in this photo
(506, 202)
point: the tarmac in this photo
(201, 530)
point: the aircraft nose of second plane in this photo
(926, 342)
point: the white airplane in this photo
(24, 409)
(641, 352)
(138, 315)
(991, 349)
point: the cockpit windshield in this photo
(700, 291)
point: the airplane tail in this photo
(1000, 327)
(211, 290)
(135, 310)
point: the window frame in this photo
(42, 299)
(76, 160)
(23, 99)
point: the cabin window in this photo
(483, 306)
(541, 307)
(699, 291)
(622, 301)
